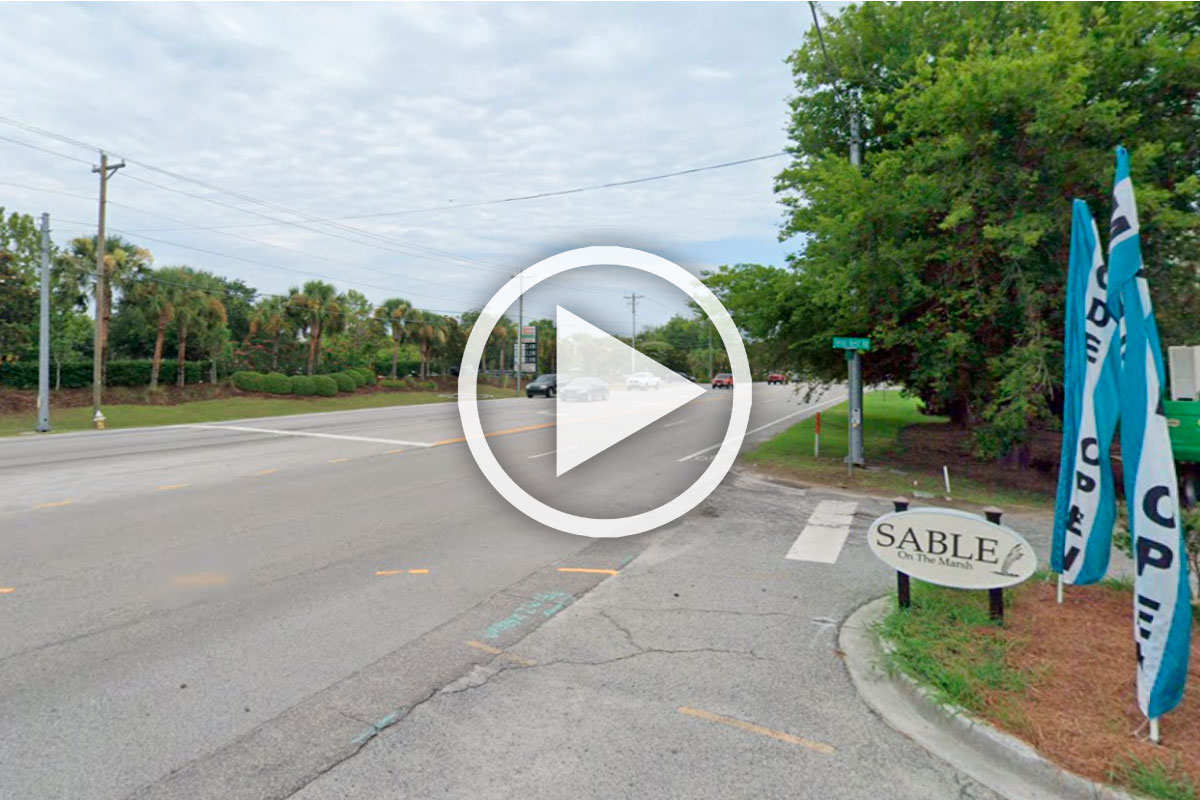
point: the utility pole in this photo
(101, 334)
(854, 360)
(520, 328)
(43, 423)
(632, 299)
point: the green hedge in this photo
(304, 385)
(366, 373)
(121, 372)
(344, 381)
(249, 381)
(392, 383)
(276, 383)
(325, 385)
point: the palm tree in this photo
(195, 298)
(124, 262)
(321, 305)
(391, 315)
(427, 329)
(154, 298)
(272, 318)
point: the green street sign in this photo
(851, 343)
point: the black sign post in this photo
(995, 596)
(903, 589)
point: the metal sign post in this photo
(853, 345)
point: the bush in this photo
(368, 375)
(276, 383)
(250, 381)
(303, 385)
(359, 380)
(429, 386)
(344, 382)
(324, 385)
(390, 383)
(121, 372)
(410, 382)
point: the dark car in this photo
(585, 389)
(543, 384)
(723, 381)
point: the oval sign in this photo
(952, 548)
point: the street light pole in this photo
(43, 423)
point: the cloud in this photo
(347, 109)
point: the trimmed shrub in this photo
(368, 375)
(359, 380)
(409, 382)
(429, 386)
(344, 382)
(324, 385)
(121, 372)
(275, 383)
(303, 385)
(249, 381)
(394, 383)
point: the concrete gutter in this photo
(1003, 763)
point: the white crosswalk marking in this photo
(825, 533)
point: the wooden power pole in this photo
(105, 171)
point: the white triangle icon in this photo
(606, 391)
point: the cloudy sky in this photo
(407, 112)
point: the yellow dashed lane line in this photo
(338, 460)
(750, 727)
(588, 570)
(7, 589)
(402, 572)
(267, 471)
(169, 487)
(55, 504)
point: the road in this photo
(184, 597)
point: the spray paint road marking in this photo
(588, 570)
(55, 504)
(7, 589)
(308, 434)
(750, 727)
(171, 487)
(547, 604)
(496, 651)
(402, 572)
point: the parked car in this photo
(546, 385)
(777, 377)
(584, 389)
(642, 380)
(723, 380)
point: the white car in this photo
(642, 380)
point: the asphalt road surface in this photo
(191, 595)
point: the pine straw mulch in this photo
(1080, 707)
(929, 445)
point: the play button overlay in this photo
(607, 407)
(606, 399)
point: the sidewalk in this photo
(707, 668)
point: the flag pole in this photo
(1059, 592)
(1154, 737)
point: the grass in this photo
(945, 642)
(886, 413)
(1154, 779)
(134, 416)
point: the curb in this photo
(999, 761)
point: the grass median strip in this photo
(750, 727)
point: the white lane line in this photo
(310, 434)
(821, 541)
(806, 410)
(552, 452)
